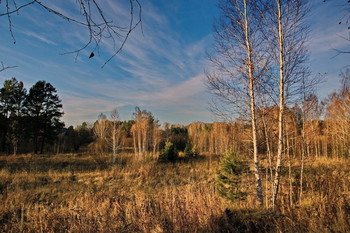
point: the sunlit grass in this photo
(82, 193)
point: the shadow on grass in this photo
(192, 159)
(252, 221)
(61, 163)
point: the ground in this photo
(85, 193)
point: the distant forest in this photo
(30, 122)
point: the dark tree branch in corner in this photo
(344, 19)
(93, 19)
(3, 67)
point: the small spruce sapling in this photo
(169, 153)
(189, 152)
(229, 176)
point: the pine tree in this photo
(12, 97)
(44, 111)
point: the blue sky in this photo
(160, 69)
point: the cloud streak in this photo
(39, 37)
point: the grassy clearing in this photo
(82, 193)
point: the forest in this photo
(277, 159)
(30, 123)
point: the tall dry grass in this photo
(82, 193)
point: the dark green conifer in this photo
(229, 176)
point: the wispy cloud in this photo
(327, 35)
(179, 94)
(39, 37)
(157, 70)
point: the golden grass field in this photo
(84, 193)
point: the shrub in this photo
(229, 176)
(191, 152)
(188, 152)
(169, 153)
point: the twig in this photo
(3, 67)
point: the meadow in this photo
(85, 193)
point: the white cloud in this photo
(39, 37)
(180, 94)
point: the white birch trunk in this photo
(259, 190)
(281, 107)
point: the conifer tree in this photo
(44, 111)
(12, 97)
(229, 176)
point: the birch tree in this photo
(115, 134)
(239, 63)
(144, 133)
(286, 35)
(338, 116)
(100, 130)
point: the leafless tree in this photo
(240, 64)
(115, 134)
(101, 126)
(144, 132)
(286, 34)
(92, 17)
(338, 116)
(100, 130)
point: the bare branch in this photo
(99, 27)
(3, 67)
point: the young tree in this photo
(240, 62)
(229, 176)
(286, 34)
(143, 132)
(139, 132)
(338, 116)
(101, 126)
(169, 153)
(100, 129)
(115, 134)
(44, 109)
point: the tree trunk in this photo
(269, 157)
(139, 141)
(42, 145)
(259, 190)
(15, 146)
(135, 145)
(281, 107)
(290, 174)
(114, 143)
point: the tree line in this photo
(29, 120)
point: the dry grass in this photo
(81, 193)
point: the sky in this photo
(162, 65)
